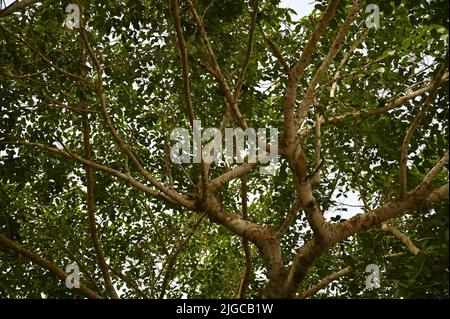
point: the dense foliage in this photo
(49, 93)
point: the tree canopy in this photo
(86, 176)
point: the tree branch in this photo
(297, 72)
(46, 264)
(308, 97)
(325, 282)
(402, 237)
(174, 254)
(184, 59)
(248, 53)
(124, 177)
(91, 211)
(426, 181)
(276, 51)
(312, 250)
(290, 218)
(109, 124)
(418, 119)
(247, 248)
(17, 6)
(370, 112)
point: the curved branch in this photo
(119, 141)
(402, 237)
(46, 264)
(418, 119)
(370, 112)
(184, 59)
(311, 251)
(123, 176)
(17, 6)
(325, 282)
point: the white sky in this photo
(302, 7)
(7, 2)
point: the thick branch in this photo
(308, 97)
(297, 72)
(312, 250)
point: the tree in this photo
(85, 149)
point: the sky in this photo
(7, 2)
(302, 7)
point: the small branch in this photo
(48, 61)
(248, 53)
(345, 59)
(401, 237)
(91, 212)
(61, 105)
(174, 254)
(184, 59)
(418, 119)
(426, 181)
(297, 72)
(315, 182)
(173, 195)
(124, 177)
(290, 218)
(325, 282)
(246, 244)
(216, 70)
(371, 112)
(276, 51)
(46, 264)
(167, 160)
(308, 97)
(17, 6)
